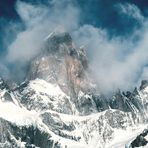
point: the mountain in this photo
(59, 105)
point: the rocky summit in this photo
(59, 105)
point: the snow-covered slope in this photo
(46, 109)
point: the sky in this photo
(114, 33)
(97, 12)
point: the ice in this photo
(123, 138)
(48, 36)
(17, 115)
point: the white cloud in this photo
(130, 10)
(116, 62)
(39, 22)
(4, 71)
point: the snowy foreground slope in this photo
(59, 106)
(31, 124)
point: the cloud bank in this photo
(116, 62)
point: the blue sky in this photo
(97, 12)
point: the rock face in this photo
(59, 106)
(63, 64)
(140, 140)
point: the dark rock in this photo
(3, 85)
(144, 83)
(140, 140)
(32, 136)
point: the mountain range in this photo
(59, 105)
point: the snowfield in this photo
(23, 117)
(17, 115)
(107, 129)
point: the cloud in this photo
(108, 57)
(116, 62)
(39, 21)
(130, 10)
(4, 71)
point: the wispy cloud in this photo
(130, 10)
(39, 21)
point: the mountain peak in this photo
(58, 35)
(58, 42)
(61, 63)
